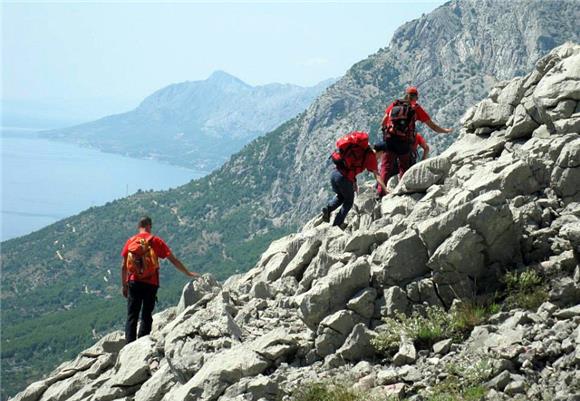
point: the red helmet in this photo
(412, 90)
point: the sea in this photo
(45, 181)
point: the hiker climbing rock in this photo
(352, 157)
(140, 277)
(398, 127)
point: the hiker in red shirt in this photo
(140, 277)
(419, 142)
(398, 128)
(354, 155)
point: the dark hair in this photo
(408, 96)
(145, 221)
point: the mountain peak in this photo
(221, 76)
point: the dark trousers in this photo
(344, 190)
(391, 162)
(140, 300)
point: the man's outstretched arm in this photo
(179, 266)
(431, 124)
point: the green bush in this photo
(322, 391)
(435, 324)
(423, 330)
(464, 382)
(525, 289)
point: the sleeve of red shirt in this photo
(421, 114)
(420, 141)
(371, 162)
(160, 247)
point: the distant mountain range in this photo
(196, 124)
(222, 223)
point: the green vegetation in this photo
(328, 392)
(525, 289)
(463, 383)
(434, 325)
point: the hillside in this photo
(461, 285)
(196, 124)
(222, 223)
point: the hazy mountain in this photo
(196, 124)
(223, 222)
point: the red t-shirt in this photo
(420, 113)
(370, 164)
(161, 250)
(419, 141)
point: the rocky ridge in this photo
(504, 197)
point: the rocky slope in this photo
(505, 197)
(222, 223)
(196, 124)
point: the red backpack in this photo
(351, 151)
(141, 259)
(401, 122)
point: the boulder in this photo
(132, 366)
(358, 345)
(566, 174)
(157, 386)
(363, 302)
(307, 251)
(512, 93)
(462, 252)
(332, 332)
(424, 174)
(490, 114)
(220, 372)
(331, 293)
(195, 290)
(406, 354)
(423, 291)
(261, 289)
(361, 242)
(561, 82)
(523, 124)
(435, 230)
(400, 260)
(396, 302)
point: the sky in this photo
(105, 57)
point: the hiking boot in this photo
(326, 214)
(343, 226)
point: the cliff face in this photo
(454, 55)
(503, 201)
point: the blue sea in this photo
(44, 181)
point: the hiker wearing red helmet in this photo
(398, 128)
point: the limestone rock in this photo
(423, 175)
(399, 260)
(332, 292)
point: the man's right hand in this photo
(125, 290)
(193, 274)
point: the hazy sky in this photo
(68, 51)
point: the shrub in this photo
(322, 391)
(463, 383)
(434, 325)
(423, 330)
(525, 289)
